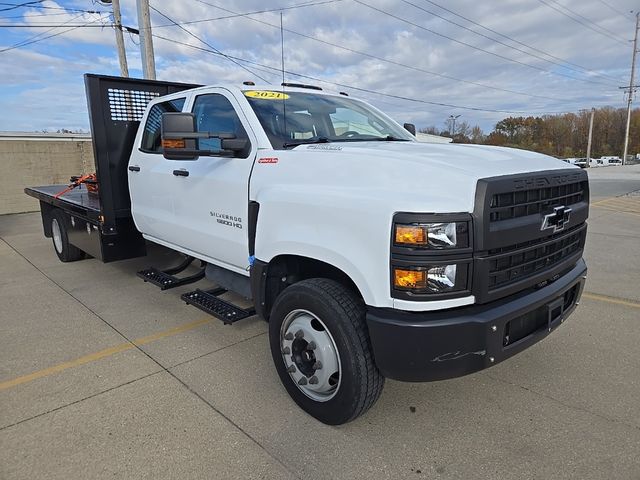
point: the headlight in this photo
(431, 279)
(436, 236)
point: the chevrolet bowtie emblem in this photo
(557, 219)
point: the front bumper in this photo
(426, 346)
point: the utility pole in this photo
(122, 54)
(632, 87)
(593, 111)
(453, 124)
(146, 40)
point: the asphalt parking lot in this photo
(104, 376)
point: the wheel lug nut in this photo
(286, 351)
(302, 381)
(313, 380)
(311, 345)
(291, 369)
(299, 334)
(288, 336)
(317, 365)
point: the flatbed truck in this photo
(370, 255)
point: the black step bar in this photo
(209, 301)
(166, 279)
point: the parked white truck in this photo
(371, 255)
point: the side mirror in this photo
(180, 139)
(177, 131)
(411, 128)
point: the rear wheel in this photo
(321, 349)
(59, 235)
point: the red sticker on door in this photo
(268, 160)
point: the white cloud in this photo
(50, 72)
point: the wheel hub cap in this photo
(57, 235)
(310, 355)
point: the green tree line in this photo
(562, 136)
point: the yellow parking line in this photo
(607, 298)
(604, 200)
(614, 210)
(107, 352)
(623, 199)
(172, 331)
(621, 203)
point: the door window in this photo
(151, 141)
(215, 114)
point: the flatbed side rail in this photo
(78, 202)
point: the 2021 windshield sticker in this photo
(266, 95)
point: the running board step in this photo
(210, 302)
(165, 279)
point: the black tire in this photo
(343, 314)
(65, 251)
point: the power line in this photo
(18, 5)
(29, 40)
(513, 60)
(292, 7)
(24, 15)
(615, 10)
(573, 12)
(278, 71)
(564, 61)
(49, 36)
(207, 44)
(46, 7)
(573, 17)
(386, 60)
(50, 25)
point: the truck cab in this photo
(370, 254)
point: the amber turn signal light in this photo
(179, 143)
(413, 279)
(411, 235)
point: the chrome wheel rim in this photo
(57, 235)
(310, 355)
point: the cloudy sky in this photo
(418, 60)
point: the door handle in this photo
(134, 168)
(181, 173)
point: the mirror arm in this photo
(196, 135)
(199, 153)
(184, 135)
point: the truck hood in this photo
(404, 176)
(476, 161)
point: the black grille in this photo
(505, 206)
(517, 262)
(513, 250)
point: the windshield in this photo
(293, 118)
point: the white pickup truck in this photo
(371, 255)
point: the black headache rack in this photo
(101, 223)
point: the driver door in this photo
(211, 200)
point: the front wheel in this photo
(321, 349)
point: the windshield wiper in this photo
(308, 141)
(390, 138)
